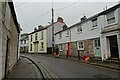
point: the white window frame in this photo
(79, 28)
(60, 47)
(60, 35)
(80, 46)
(97, 42)
(36, 37)
(30, 47)
(31, 38)
(21, 42)
(42, 35)
(95, 23)
(24, 41)
(42, 46)
(110, 17)
(67, 33)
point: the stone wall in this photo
(88, 48)
(74, 50)
(8, 40)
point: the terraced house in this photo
(38, 40)
(97, 36)
(9, 37)
(24, 43)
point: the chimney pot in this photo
(59, 19)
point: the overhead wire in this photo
(36, 18)
(49, 11)
(20, 4)
(67, 6)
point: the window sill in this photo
(42, 50)
(94, 28)
(79, 32)
(61, 50)
(112, 24)
(81, 49)
(67, 36)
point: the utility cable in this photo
(67, 6)
(36, 18)
(20, 4)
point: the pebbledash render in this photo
(9, 37)
(97, 36)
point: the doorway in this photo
(113, 46)
(36, 47)
(68, 50)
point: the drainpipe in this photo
(70, 41)
(18, 49)
(6, 59)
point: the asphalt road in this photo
(71, 69)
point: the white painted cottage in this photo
(98, 36)
(58, 26)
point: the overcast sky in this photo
(31, 13)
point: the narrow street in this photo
(70, 69)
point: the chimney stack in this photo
(35, 29)
(59, 19)
(83, 18)
(40, 27)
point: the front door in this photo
(113, 46)
(36, 48)
(68, 52)
(97, 49)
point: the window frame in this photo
(79, 29)
(80, 47)
(110, 19)
(60, 35)
(67, 33)
(60, 47)
(36, 36)
(95, 23)
(24, 41)
(30, 47)
(42, 35)
(31, 38)
(97, 42)
(42, 46)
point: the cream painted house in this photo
(38, 40)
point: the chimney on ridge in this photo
(59, 19)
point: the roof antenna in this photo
(106, 7)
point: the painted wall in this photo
(57, 27)
(64, 39)
(109, 30)
(88, 32)
(44, 40)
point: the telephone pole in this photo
(52, 30)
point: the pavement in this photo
(24, 69)
(109, 64)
